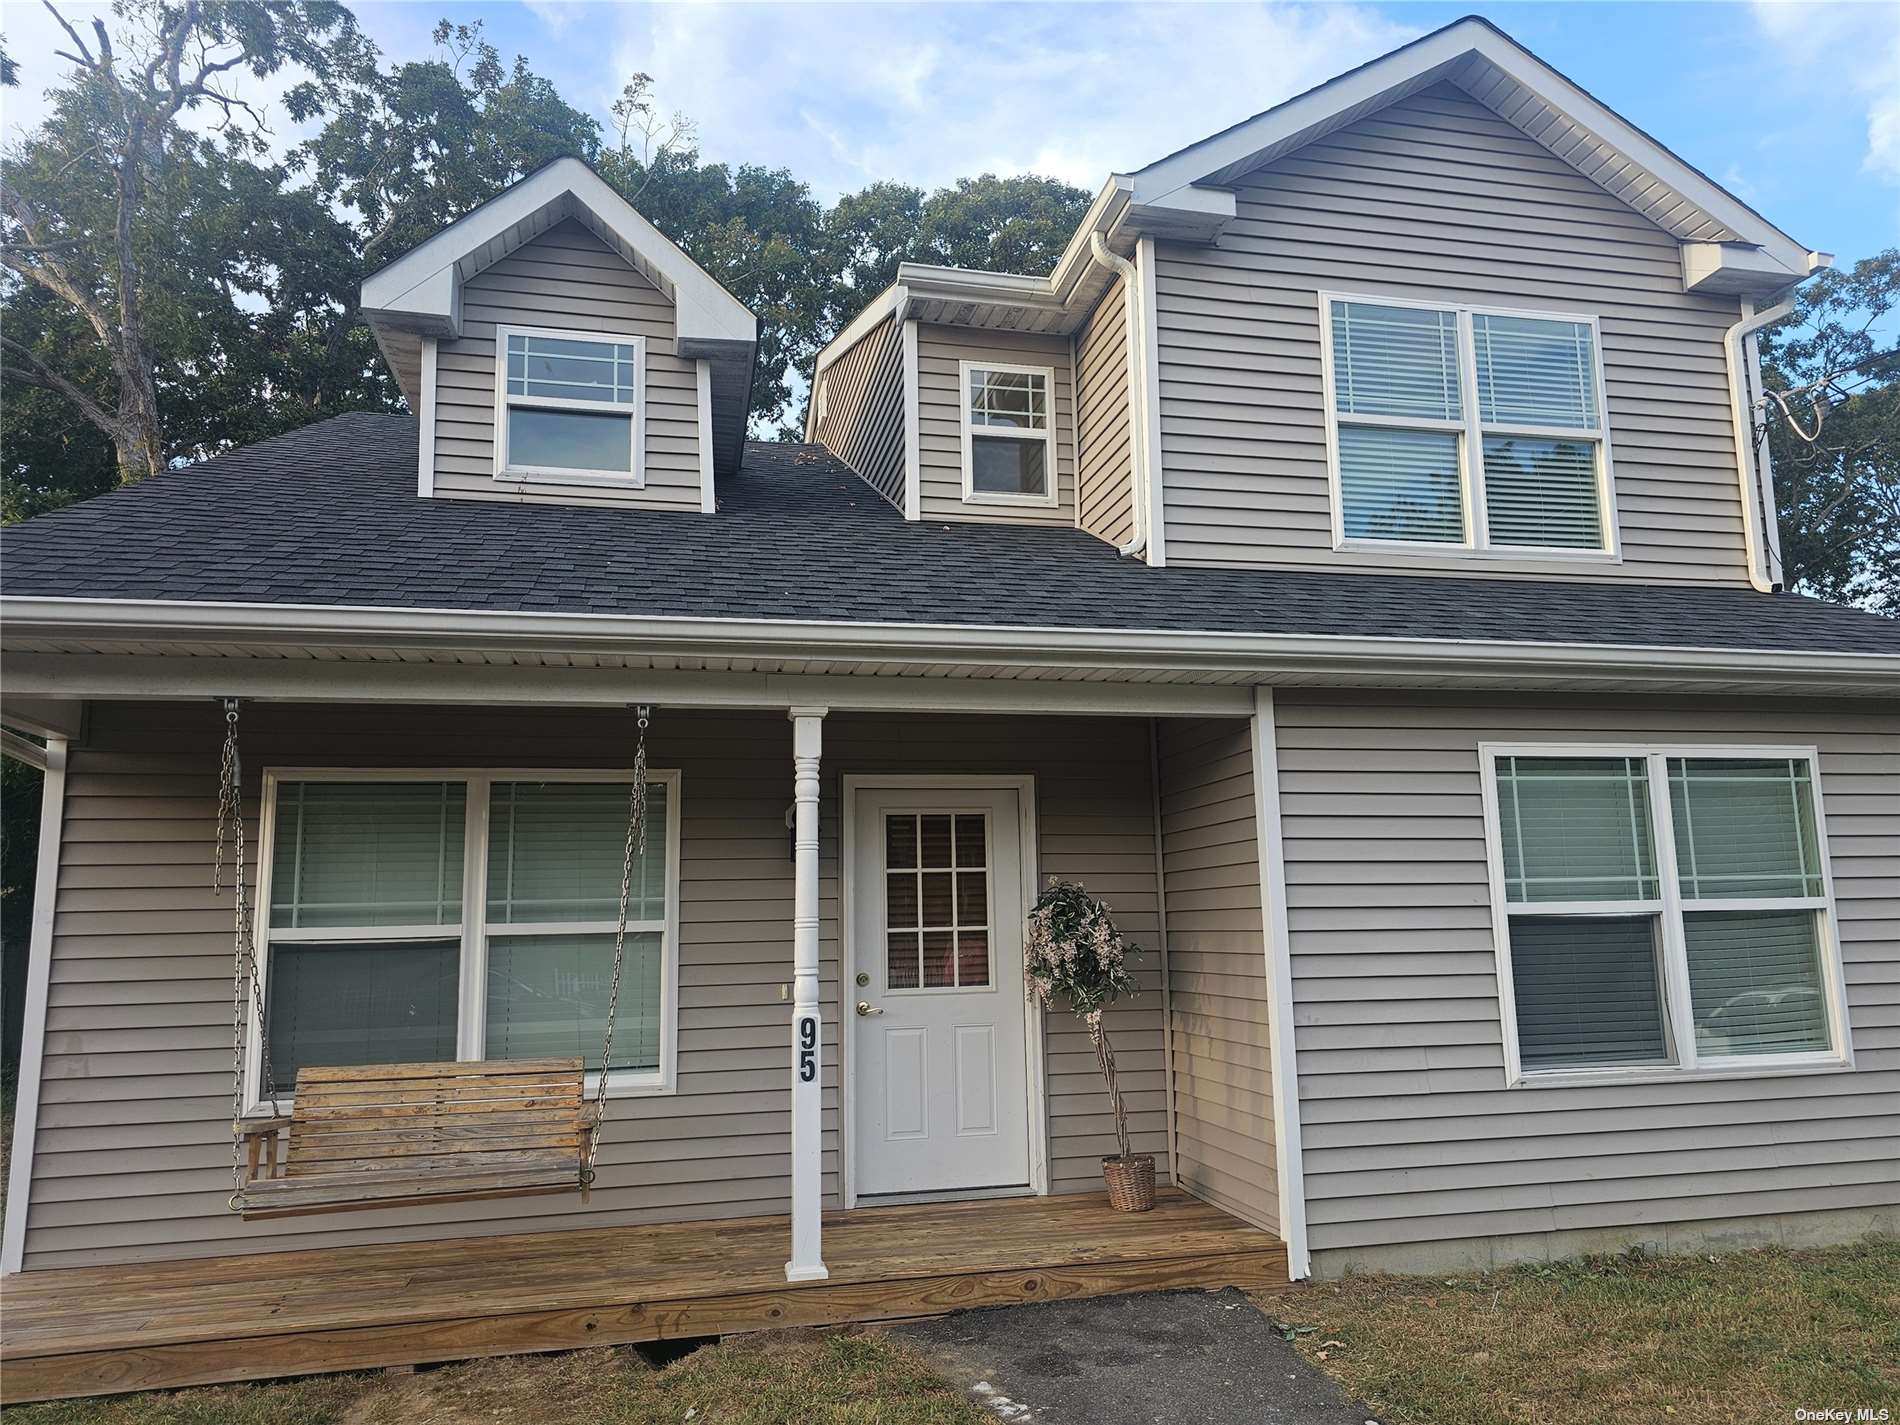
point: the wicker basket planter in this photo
(1131, 1181)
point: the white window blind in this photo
(1533, 375)
(1395, 361)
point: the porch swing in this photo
(396, 1135)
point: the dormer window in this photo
(1458, 429)
(568, 406)
(1008, 435)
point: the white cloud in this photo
(1850, 47)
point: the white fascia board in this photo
(892, 301)
(1488, 660)
(415, 282)
(1205, 162)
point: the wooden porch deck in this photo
(95, 1330)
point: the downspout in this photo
(1742, 403)
(1132, 330)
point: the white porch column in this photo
(807, 1264)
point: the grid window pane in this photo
(547, 998)
(1395, 361)
(1005, 466)
(901, 961)
(379, 1003)
(1575, 829)
(1542, 492)
(1535, 372)
(971, 849)
(1745, 828)
(569, 440)
(973, 957)
(1401, 484)
(940, 960)
(946, 896)
(1014, 400)
(368, 854)
(566, 369)
(939, 905)
(900, 841)
(1755, 982)
(900, 901)
(555, 852)
(1587, 991)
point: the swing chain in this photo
(246, 979)
(636, 845)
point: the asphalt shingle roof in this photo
(329, 515)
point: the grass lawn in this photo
(1732, 1340)
(853, 1378)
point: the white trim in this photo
(1153, 470)
(1471, 430)
(1669, 907)
(913, 435)
(425, 422)
(1742, 405)
(1035, 1067)
(1047, 434)
(634, 476)
(473, 931)
(702, 370)
(39, 964)
(891, 302)
(806, 1064)
(21, 749)
(1764, 474)
(1289, 1162)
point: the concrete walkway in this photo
(1163, 1358)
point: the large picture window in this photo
(1661, 910)
(1464, 430)
(568, 405)
(427, 917)
(1009, 451)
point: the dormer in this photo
(556, 347)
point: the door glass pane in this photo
(973, 957)
(1008, 467)
(368, 854)
(1755, 982)
(1535, 372)
(940, 961)
(970, 841)
(555, 852)
(901, 900)
(1401, 484)
(934, 842)
(1744, 828)
(901, 961)
(382, 1003)
(1395, 361)
(1587, 991)
(900, 841)
(939, 909)
(947, 897)
(540, 439)
(1575, 829)
(1542, 492)
(547, 998)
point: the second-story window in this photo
(1463, 429)
(1008, 434)
(568, 405)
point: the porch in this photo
(99, 1330)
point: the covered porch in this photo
(98, 1330)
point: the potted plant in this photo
(1072, 949)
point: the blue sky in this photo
(1795, 107)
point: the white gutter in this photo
(1132, 327)
(1742, 403)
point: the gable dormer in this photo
(557, 347)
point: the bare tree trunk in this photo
(1105, 1056)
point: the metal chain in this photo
(244, 969)
(636, 845)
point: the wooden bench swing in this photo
(396, 1135)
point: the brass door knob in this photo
(864, 1009)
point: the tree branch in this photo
(47, 379)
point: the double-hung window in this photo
(426, 917)
(1460, 430)
(568, 405)
(1661, 909)
(1009, 451)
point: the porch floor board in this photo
(99, 1330)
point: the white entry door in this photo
(938, 1073)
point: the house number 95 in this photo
(807, 1048)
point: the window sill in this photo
(1427, 549)
(1016, 502)
(1654, 1074)
(607, 478)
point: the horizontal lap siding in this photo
(940, 420)
(1103, 429)
(1223, 1078)
(133, 1146)
(1409, 1135)
(565, 279)
(1434, 199)
(864, 410)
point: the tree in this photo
(116, 133)
(1833, 435)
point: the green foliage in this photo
(1837, 488)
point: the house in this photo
(1354, 562)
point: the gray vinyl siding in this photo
(940, 420)
(132, 1156)
(565, 279)
(1217, 971)
(1436, 199)
(864, 409)
(1103, 430)
(1413, 1146)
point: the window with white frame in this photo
(1008, 434)
(568, 404)
(1662, 909)
(1463, 429)
(434, 917)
